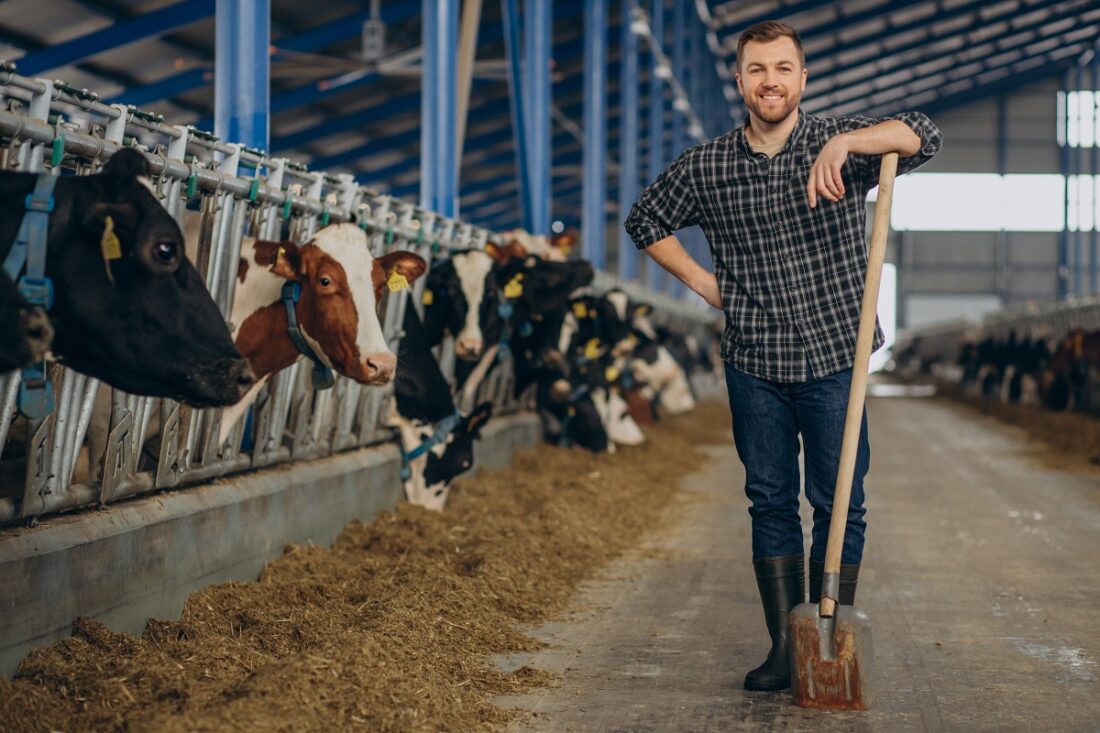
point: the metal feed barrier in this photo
(240, 191)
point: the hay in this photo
(392, 628)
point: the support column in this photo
(509, 10)
(628, 140)
(1063, 239)
(438, 168)
(242, 86)
(594, 219)
(539, 23)
(656, 158)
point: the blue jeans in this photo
(767, 419)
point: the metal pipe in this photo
(516, 91)
(537, 45)
(1094, 169)
(655, 159)
(437, 141)
(1064, 160)
(467, 52)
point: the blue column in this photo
(509, 11)
(242, 88)
(628, 141)
(1095, 237)
(438, 168)
(656, 124)
(1063, 239)
(595, 133)
(1076, 170)
(681, 72)
(538, 23)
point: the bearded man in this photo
(782, 203)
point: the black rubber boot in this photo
(849, 575)
(782, 587)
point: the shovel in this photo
(832, 664)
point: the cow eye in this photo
(325, 282)
(166, 252)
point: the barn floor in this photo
(982, 582)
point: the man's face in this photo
(771, 78)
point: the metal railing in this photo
(241, 192)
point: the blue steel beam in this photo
(628, 143)
(510, 18)
(438, 169)
(312, 40)
(149, 25)
(1094, 167)
(1063, 237)
(656, 127)
(242, 87)
(537, 47)
(594, 220)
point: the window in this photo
(1078, 119)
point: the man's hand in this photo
(826, 178)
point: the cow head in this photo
(129, 308)
(543, 287)
(462, 297)
(341, 287)
(458, 455)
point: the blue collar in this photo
(443, 428)
(322, 375)
(26, 265)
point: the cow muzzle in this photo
(379, 368)
(468, 349)
(223, 383)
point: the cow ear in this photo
(478, 418)
(515, 249)
(407, 264)
(283, 259)
(124, 218)
(497, 253)
(126, 164)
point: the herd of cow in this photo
(101, 281)
(1055, 373)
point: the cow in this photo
(437, 442)
(341, 285)
(25, 330)
(128, 307)
(1067, 377)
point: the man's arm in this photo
(891, 136)
(671, 255)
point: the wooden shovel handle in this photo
(852, 422)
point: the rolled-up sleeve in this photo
(666, 205)
(868, 165)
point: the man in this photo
(782, 203)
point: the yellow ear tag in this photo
(514, 288)
(279, 253)
(109, 246)
(572, 411)
(611, 374)
(580, 310)
(428, 298)
(397, 281)
(592, 349)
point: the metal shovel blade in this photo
(832, 660)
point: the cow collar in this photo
(505, 310)
(443, 428)
(322, 375)
(28, 256)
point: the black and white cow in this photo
(437, 442)
(142, 321)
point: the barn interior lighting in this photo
(557, 227)
(729, 93)
(681, 104)
(663, 70)
(696, 130)
(639, 24)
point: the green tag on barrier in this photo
(286, 207)
(58, 154)
(324, 217)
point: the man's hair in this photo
(770, 30)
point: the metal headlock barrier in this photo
(1049, 320)
(50, 126)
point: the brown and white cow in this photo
(341, 286)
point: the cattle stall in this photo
(157, 444)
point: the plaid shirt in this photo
(791, 277)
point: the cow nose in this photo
(380, 367)
(241, 374)
(469, 347)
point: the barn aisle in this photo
(982, 581)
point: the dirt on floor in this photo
(392, 628)
(1065, 440)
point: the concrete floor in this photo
(981, 579)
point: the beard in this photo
(773, 112)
